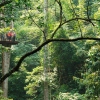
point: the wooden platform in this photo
(8, 43)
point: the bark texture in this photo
(5, 68)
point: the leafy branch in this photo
(61, 22)
(78, 18)
(16, 68)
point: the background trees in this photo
(72, 65)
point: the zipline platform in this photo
(8, 39)
(9, 42)
(5, 43)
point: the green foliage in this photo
(17, 92)
(3, 98)
(27, 34)
(34, 81)
(5, 49)
(30, 62)
(67, 9)
(94, 59)
(70, 96)
(4, 30)
(16, 86)
(63, 57)
(90, 78)
(79, 60)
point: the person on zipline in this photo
(13, 36)
(10, 36)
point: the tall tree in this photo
(5, 58)
(46, 89)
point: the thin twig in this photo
(34, 21)
(78, 18)
(73, 19)
(60, 14)
(88, 16)
(88, 9)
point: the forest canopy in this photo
(58, 49)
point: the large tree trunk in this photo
(5, 68)
(46, 89)
(5, 60)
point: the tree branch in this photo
(73, 19)
(33, 20)
(60, 6)
(16, 68)
(88, 1)
(78, 18)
